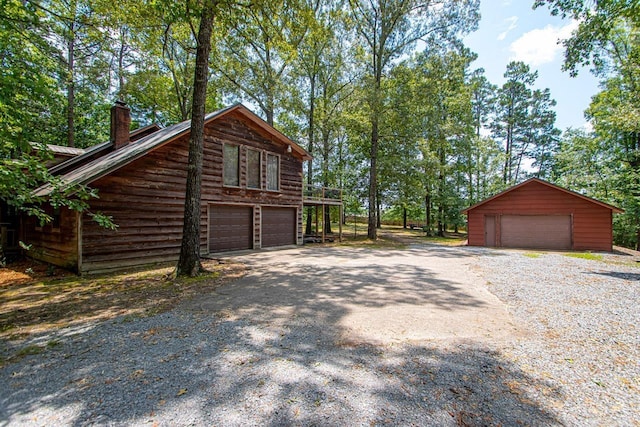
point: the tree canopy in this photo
(382, 93)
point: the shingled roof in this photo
(102, 166)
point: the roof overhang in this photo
(548, 184)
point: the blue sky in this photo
(512, 30)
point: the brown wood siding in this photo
(55, 246)
(146, 197)
(591, 222)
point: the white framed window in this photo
(273, 172)
(231, 165)
(254, 169)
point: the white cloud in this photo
(540, 46)
(512, 22)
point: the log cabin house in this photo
(252, 193)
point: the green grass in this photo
(29, 350)
(53, 343)
(364, 242)
(532, 255)
(452, 240)
(585, 255)
(395, 237)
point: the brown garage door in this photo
(230, 228)
(536, 231)
(278, 226)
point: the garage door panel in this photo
(230, 228)
(536, 231)
(278, 226)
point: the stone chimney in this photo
(120, 124)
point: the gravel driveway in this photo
(356, 336)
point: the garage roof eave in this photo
(548, 184)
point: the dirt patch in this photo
(27, 271)
(417, 236)
(34, 298)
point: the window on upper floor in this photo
(273, 172)
(254, 169)
(231, 162)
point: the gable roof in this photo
(548, 184)
(114, 160)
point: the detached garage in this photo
(539, 215)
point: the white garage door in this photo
(535, 231)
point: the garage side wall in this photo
(146, 197)
(591, 223)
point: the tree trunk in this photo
(71, 88)
(309, 227)
(121, 53)
(270, 114)
(372, 232)
(189, 261)
(378, 216)
(427, 205)
(508, 147)
(471, 199)
(441, 193)
(325, 172)
(327, 219)
(312, 102)
(404, 217)
(270, 82)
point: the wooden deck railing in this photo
(326, 194)
(320, 198)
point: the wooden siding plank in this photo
(58, 247)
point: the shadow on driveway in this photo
(281, 347)
(374, 296)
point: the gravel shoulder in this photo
(583, 316)
(562, 349)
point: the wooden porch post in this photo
(317, 221)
